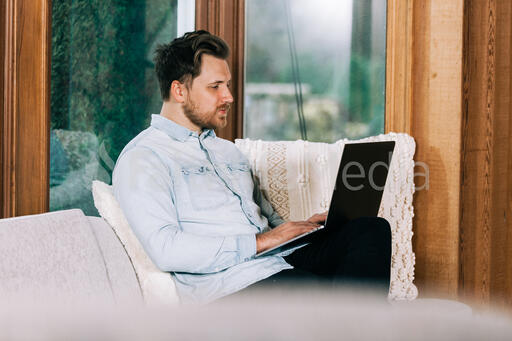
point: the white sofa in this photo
(297, 177)
(64, 255)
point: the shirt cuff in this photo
(276, 222)
(246, 247)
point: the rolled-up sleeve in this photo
(143, 186)
(274, 219)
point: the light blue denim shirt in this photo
(192, 203)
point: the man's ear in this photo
(178, 91)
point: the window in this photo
(315, 70)
(103, 88)
(26, 116)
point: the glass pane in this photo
(103, 87)
(315, 70)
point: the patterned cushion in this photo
(298, 178)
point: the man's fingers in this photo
(304, 226)
(310, 226)
(317, 218)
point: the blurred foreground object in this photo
(282, 315)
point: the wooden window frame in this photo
(227, 20)
(25, 116)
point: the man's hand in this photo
(287, 231)
(318, 218)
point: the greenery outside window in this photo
(315, 70)
(103, 88)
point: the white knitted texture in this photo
(306, 176)
(157, 286)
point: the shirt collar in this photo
(176, 131)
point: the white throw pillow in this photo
(298, 178)
(157, 286)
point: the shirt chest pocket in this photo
(206, 190)
(241, 177)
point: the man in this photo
(190, 198)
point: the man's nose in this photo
(227, 97)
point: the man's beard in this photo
(205, 119)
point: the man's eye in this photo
(215, 86)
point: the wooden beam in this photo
(508, 213)
(26, 107)
(8, 117)
(457, 79)
(485, 232)
(3, 40)
(227, 20)
(502, 135)
(501, 186)
(436, 126)
(399, 60)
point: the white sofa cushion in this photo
(157, 286)
(59, 255)
(298, 178)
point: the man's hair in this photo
(181, 59)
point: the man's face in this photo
(209, 98)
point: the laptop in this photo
(360, 182)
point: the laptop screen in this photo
(360, 182)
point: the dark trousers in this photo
(357, 253)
